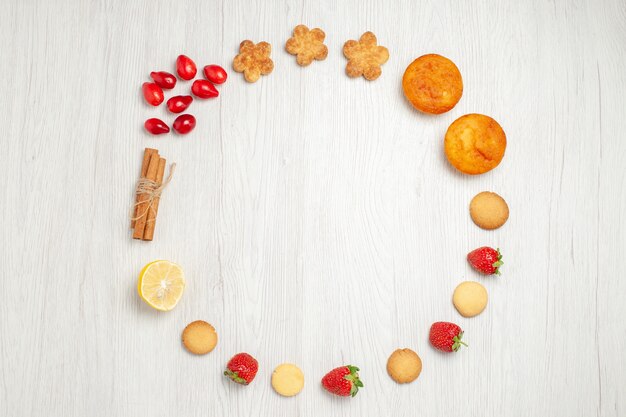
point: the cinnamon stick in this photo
(147, 153)
(148, 233)
(144, 199)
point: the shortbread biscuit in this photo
(253, 60)
(489, 210)
(404, 366)
(365, 57)
(287, 380)
(307, 45)
(470, 298)
(433, 84)
(199, 337)
(475, 144)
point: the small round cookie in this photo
(470, 298)
(199, 337)
(433, 84)
(404, 366)
(475, 144)
(287, 380)
(489, 210)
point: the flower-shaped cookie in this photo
(365, 57)
(253, 60)
(307, 45)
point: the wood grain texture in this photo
(315, 215)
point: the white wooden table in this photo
(315, 216)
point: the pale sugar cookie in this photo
(199, 337)
(470, 298)
(287, 380)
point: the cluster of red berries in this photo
(202, 89)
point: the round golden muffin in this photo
(488, 210)
(433, 84)
(475, 144)
(404, 366)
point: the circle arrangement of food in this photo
(433, 84)
(475, 144)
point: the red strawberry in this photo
(446, 336)
(343, 381)
(486, 260)
(242, 368)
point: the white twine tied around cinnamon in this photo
(150, 190)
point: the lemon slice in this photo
(161, 284)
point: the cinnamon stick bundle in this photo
(144, 169)
(148, 194)
(148, 232)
